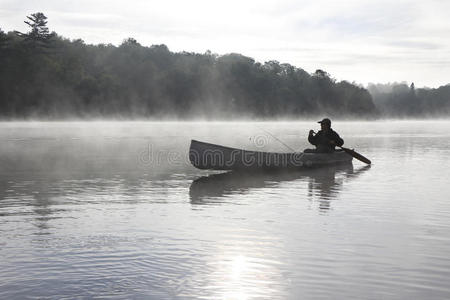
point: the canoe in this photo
(215, 157)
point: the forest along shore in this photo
(45, 75)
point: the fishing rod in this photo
(277, 139)
(351, 152)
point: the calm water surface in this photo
(115, 210)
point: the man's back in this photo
(325, 140)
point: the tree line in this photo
(44, 75)
(400, 100)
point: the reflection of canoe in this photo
(322, 181)
(209, 156)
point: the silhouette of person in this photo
(326, 139)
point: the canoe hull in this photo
(215, 157)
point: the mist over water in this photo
(115, 209)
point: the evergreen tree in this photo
(39, 32)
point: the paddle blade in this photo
(357, 155)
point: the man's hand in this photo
(311, 132)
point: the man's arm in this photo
(312, 139)
(337, 139)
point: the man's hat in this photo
(325, 121)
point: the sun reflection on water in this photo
(241, 276)
(239, 272)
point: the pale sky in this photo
(361, 41)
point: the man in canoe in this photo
(326, 139)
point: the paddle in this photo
(355, 154)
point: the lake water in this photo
(115, 210)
